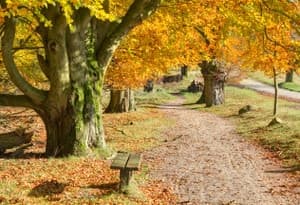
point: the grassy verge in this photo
(164, 92)
(135, 131)
(159, 95)
(290, 86)
(283, 139)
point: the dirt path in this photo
(205, 162)
(265, 88)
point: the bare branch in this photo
(276, 42)
(16, 101)
(203, 35)
(295, 20)
(37, 96)
(16, 49)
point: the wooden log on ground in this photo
(172, 78)
(13, 139)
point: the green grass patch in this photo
(283, 139)
(191, 98)
(182, 86)
(290, 86)
(135, 131)
(159, 95)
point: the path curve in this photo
(205, 162)
(265, 88)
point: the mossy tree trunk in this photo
(214, 80)
(72, 110)
(121, 101)
(74, 61)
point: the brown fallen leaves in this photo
(135, 131)
(69, 181)
(34, 180)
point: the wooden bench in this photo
(126, 163)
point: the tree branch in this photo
(37, 96)
(16, 101)
(276, 42)
(203, 35)
(137, 12)
(82, 19)
(15, 49)
(44, 66)
(295, 20)
(103, 27)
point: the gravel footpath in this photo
(206, 162)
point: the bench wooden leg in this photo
(125, 177)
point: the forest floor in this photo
(206, 162)
(29, 178)
(187, 151)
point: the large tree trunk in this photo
(72, 111)
(289, 76)
(78, 127)
(74, 60)
(214, 79)
(121, 101)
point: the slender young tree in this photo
(271, 47)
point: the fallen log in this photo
(14, 139)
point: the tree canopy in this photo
(72, 43)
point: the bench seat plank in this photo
(134, 162)
(120, 161)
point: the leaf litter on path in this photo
(211, 164)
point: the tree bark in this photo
(214, 79)
(75, 63)
(121, 101)
(77, 129)
(275, 108)
(202, 98)
(184, 71)
(289, 76)
(72, 112)
(131, 99)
